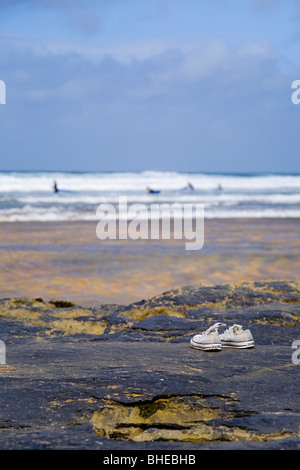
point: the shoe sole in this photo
(238, 344)
(207, 347)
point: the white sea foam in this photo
(29, 196)
(42, 182)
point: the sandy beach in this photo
(75, 370)
(66, 260)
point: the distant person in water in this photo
(152, 191)
(55, 188)
(189, 186)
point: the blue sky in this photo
(187, 85)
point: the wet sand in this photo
(56, 260)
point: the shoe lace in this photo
(214, 328)
(231, 329)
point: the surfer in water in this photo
(152, 191)
(55, 188)
(189, 186)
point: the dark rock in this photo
(125, 377)
(163, 323)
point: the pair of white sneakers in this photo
(234, 337)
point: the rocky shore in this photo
(125, 377)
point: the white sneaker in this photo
(236, 337)
(209, 340)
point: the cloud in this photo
(131, 72)
(147, 102)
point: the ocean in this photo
(29, 196)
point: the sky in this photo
(133, 85)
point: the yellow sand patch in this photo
(72, 327)
(72, 313)
(141, 313)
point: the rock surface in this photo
(125, 377)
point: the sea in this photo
(29, 195)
